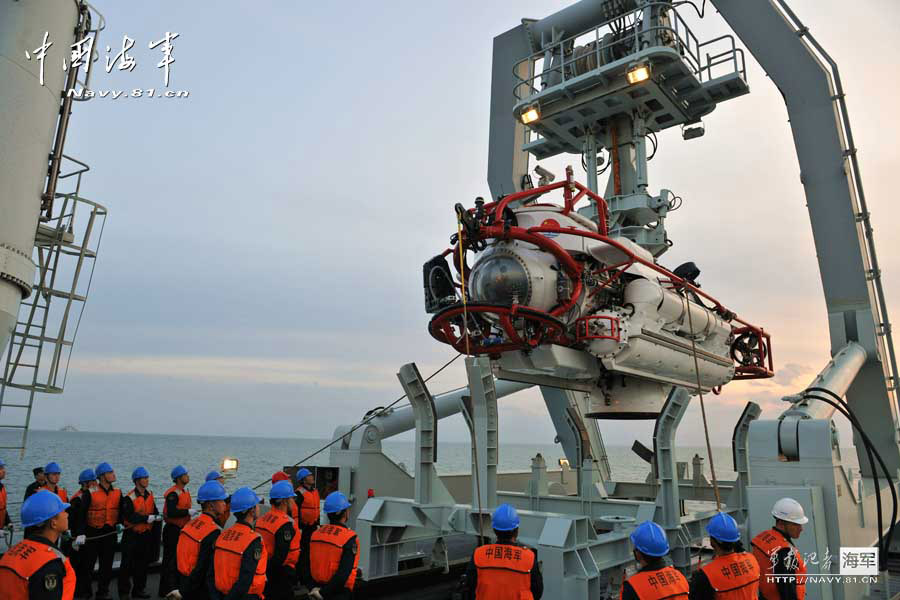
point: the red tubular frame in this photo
(546, 323)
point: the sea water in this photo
(259, 458)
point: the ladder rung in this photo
(14, 406)
(60, 294)
(13, 426)
(42, 338)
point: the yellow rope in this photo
(462, 278)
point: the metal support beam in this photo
(481, 407)
(668, 499)
(428, 488)
(741, 458)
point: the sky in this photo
(260, 271)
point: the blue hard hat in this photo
(178, 472)
(103, 468)
(2, 464)
(281, 490)
(86, 476)
(723, 528)
(650, 539)
(505, 518)
(139, 473)
(243, 499)
(40, 507)
(336, 502)
(213, 475)
(51, 468)
(304, 472)
(211, 491)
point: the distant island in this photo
(68, 428)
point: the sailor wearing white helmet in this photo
(776, 554)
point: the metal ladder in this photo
(37, 359)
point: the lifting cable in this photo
(712, 465)
(362, 423)
(462, 281)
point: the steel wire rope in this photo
(362, 423)
(712, 465)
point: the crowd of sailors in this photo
(274, 554)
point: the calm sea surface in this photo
(259, 458)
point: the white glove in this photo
(174, 595)
(154, 518)
(194, 512)
(314, 593)
(79, 542)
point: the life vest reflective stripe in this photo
(309, 506)
(104, 508)
(59, 491)
(661, 583)
(24, 560)
(184, 503)
(2, 505)
(734, 576)
(504, 572)
(190, 540)
(230, 548)
(766, 546)
(143, 505)
(268, 525)
(326, 545)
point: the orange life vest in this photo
(504, 572)
(230, 548)
(2, 505)
(268, 525)
(326, 545)
(184, 502)
(59, 491)
(765, 546)
(104, 508)
(190, 539)
(143, 505)
(24, 560)
(656, 585)
(734, 576)
(309, 506)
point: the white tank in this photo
(28, 117)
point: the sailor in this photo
(218, 477)
(52, 473)
(177, 512)
(655, 579)
(80, 502)
(282, 541)
(733, 574)
(35, 569)
(333, 554)
(197, 539)
(239, 559)
(139, 513)
(507, 569)
(307, 514)
(5, 521)
(776, 554)
(103, 522)
(39, 481)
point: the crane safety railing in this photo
(634, 37)
(39, 351)
(863, 216)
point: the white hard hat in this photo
(788, 509)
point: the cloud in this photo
(225, 369)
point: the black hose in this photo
(845, 410)
(884, 468)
